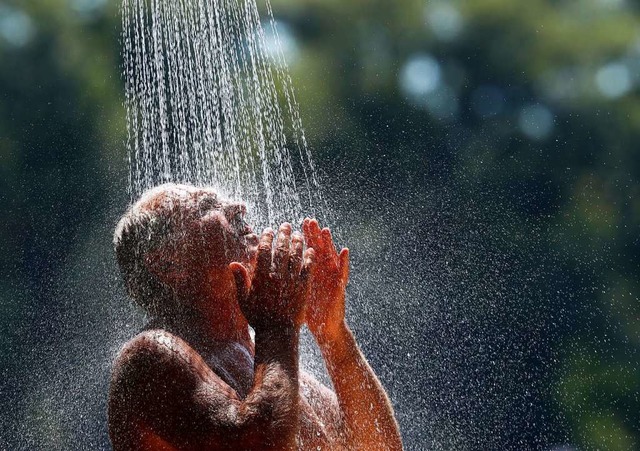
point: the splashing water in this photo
(207, 106)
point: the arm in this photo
(366, 410)
(273, 303)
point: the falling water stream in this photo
(208, 105)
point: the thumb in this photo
(241, 276)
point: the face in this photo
(209, 232)
(219, 226)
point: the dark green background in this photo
(495, 284)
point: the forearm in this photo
(367, 412)
(272, 406)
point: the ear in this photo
(164, 265)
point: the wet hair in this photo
(143, 229)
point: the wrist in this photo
(337, 348)
(276, 343)
(330, 336)
(275, 327)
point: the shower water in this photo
(207, 104)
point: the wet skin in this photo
(194, 380)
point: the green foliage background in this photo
(575, 189)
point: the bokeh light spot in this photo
(614, 80)
(444, 20)
(16, 27)
(612, 4)
(420, 76)
(282, 39)
(566, 83)
(421, 82)
(88, 8)
(536, 121)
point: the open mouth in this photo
(241, 226)
(246, 228)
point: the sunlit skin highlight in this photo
(194, 379)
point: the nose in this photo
(233, 209)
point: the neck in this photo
(210, 315)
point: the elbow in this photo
(268, 425)
(269, 417)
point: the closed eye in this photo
(208, 203)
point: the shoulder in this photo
(314, 390)
(322, 400)
(152, 343)
(320, 406)
(147, 347)
(154, 373)
(155, 356)
(162, 384)
(136, 381)
(157, 361)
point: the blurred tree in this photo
(524, 113)
(61, 140)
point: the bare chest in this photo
(234, 365)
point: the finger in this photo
(295, 253)
(281, 255)
(329, 249)
(312, 233)
(263, 266)
(241, 276)
(314, 226)
(344, 266)
(309, 265)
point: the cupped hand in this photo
(328, 280)
(275, 296)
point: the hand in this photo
(275, 297)
(329, 276)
